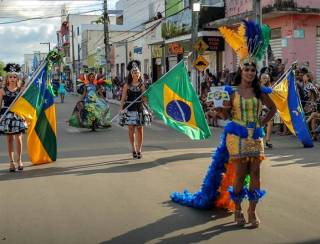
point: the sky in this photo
(17, 39)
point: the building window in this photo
(78, 31)
(318, 31)
(276, 33)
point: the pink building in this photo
(295, 30)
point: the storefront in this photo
(176, 51)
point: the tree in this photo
(2, 65)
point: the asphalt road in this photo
(95, 192)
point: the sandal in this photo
(253, 219)
(134, 155)
(269, 145)
(239, 218)
(139, 155)
(20, 166)
(12, 167)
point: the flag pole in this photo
(130, 104)
(35, 74)
(284, 74)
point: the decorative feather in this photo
(254, 36)
(266, 35)
(236, 42)
(242, 33)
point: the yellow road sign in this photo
(200, 45)
(200, 63)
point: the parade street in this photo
(96, 193)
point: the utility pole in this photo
(106, 39)
(194, 36)
(73, 57)
(257, 11)
(257, 8)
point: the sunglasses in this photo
(248, 69)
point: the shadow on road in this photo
(297, 155)
(316, 241)
(181, 218)
(122, 166)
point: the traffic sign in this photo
(200, 45)
(200, 63)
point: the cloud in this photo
(17, 40)
(25, 37)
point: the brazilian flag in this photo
(36, 106)
(173, 99)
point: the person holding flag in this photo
(133, 110)
(241, 150)
(10, 123)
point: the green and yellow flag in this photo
(36, 106)
(173, 99)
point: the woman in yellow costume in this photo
(241, 149)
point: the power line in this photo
(151, 27)
(48, 17)
(135, 27)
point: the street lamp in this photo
(46, 43)
(196, 7)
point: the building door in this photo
(156, 69)
(122, 73)
(318, 55)
(117, 71)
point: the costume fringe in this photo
(220, 175)
(211, 186)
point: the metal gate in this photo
(276, 48)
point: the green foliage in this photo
(2, 65)
(170, 30)
(100, 20)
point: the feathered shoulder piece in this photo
(134, 64)
(12, 68)
(250, 41)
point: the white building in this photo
(93, 48)
(29, 61)
(71, 34)
(136, 14)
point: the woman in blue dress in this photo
(62, 90)
(92, 111)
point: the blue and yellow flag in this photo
(173, 99)
(287, 100)
(36, 106)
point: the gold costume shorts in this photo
(241, 148)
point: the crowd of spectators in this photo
(308, 88)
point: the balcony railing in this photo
(292, 5)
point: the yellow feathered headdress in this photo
(250, 41)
